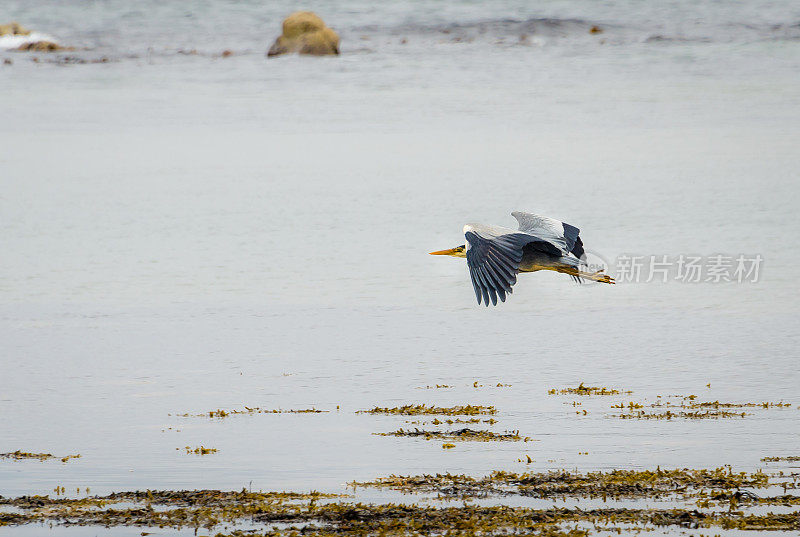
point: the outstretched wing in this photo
(493, 257)
(563, 236)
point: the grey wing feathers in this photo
(560, 234)
(493, 261)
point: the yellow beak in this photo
(451, 251)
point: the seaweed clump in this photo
(200, 450)
(219, 413)
(344, 518)
(466, 434)
(717, 404)
(688, 408)
(192, 508)
(416, 410)
(669, 415)
(735, 499)
(24, 455)
(614, 484)
(451, 421)
(279, 514)
(586, 390)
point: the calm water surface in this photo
(181, 233)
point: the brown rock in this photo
(40, 46)
(595, 30)
(13, 28)
(305, 33)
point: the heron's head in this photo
(458, 251)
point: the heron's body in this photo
(533, 261)
(495, 255)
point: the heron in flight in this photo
(496, 254)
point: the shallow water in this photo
(182, 233)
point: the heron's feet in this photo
(598, 277)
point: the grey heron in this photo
(495, 255)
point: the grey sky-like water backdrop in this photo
(183, 232)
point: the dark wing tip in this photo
(475, 286)
(494, 264)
